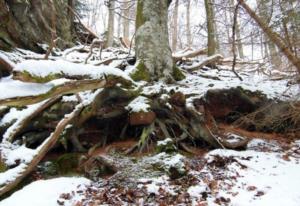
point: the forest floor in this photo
(264, 172)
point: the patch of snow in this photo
(264, 179)
(153, 185)
(21, 153)
(197, 190)
(16, 88)
(165, 142)
(19, 116)
(169, 160)
(139, 104)
(47, 192)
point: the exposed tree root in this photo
(25, 169)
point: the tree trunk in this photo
(274, 37)
(175, 26)
(188, 24)
(263, 10)
(238, 34)
(154, 56)
(111, 23)
(211, 43)
(25, 23)
(126, 13)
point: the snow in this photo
(268, 179)
(21, 153)
(165, 142)
(154, 185)
(46, 192)
(14, 88)
(169, 160)
(197, 190)
(196, 85)
(139, 104)
(43, 68)
(20, 116)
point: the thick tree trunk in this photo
(25, 23)
(211, 43)
(274, 37)
(154, 56)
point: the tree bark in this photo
(188, 23)
(111, 23)
(154, 56)
(274, 37)
(211, 43)
(126, 13)
(175, 26)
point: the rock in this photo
(142, 118)
(166, 146)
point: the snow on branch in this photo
(45, 71)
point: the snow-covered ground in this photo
(239, 178)
(47, 192)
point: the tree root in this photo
(24, 169)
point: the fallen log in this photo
(189, 54)
(212, 60)
(66, 88)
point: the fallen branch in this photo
(189, 54)
(93, 45)
(25, 169)
(215, 59)
(66, 88)
(22, 122)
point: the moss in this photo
(68, 163)
(141, 73)
(177, 74)
(26, 76)
(3, 166)
(140, 20)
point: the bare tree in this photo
(175, 25)
(111, 23)
(211, 41)
(274, 37)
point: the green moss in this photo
(3, 166)
(140, 20)
(38, 79)
(177, 74)
(68, 163)
(141, 73)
